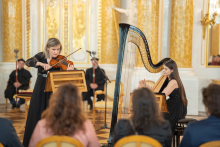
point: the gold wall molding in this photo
(99, 30)
(28, 30)
(109, 42)
(66, 27)
(181, 32)
(11, 29)
(79, 24)
(148, 21)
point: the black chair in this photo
(180, 127)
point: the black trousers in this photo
(87, 96)
(10, 92)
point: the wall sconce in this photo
(205, 22)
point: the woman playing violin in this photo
(39, 99)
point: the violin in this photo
(60, 62)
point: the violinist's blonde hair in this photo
(51, 43)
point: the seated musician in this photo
(177, 103)
(145, 119)
(24, 77)
(98, 85)
(206, 130)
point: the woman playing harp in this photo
(174, 88)
(132, 34)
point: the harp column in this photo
(147, 21)
(181, 32)
(11, 29)
(109, 36)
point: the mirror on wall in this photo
(213, 47)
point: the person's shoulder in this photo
(173, 83)
(123, 122)
(88, 69)
(5, 121)
(41, 123)
(165, 125)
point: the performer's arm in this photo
(25, 79)
(87, 79)
(101, 82)
(35, 61)
(11, 80)
(170, 87)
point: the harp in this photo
(137, 37)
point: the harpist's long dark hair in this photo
(145, 110)
(175, 75)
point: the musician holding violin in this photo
(48, 60)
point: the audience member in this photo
(145, 120)
(208, 129)
(22, 83)
(64, 116)
(8, 136)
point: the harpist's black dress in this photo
(39, 99)
(177, 110)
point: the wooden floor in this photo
(18, 118)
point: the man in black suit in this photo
(206, 130)
(22, 83)
(8, 136)
(98, 85)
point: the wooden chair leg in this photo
(104, 117)
(120, 110)
(6, 102)
(173, 140)
(94, 116)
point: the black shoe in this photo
(90, 107)
(18, 106)
(13, 106)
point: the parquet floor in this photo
(18, 118)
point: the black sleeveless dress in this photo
(177, 110)
(40, 99)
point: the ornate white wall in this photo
(194, 79)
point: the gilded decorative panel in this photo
(109, 33)
(28, 30)
(52, 18)
(147, 22)
(181, 32)
(69, 21)
(11, 29)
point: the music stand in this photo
(106, 79)
(57, 78)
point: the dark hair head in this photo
(21, 60)
(64, 114)
(145, 110)
(211, 99)
(175, 75)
